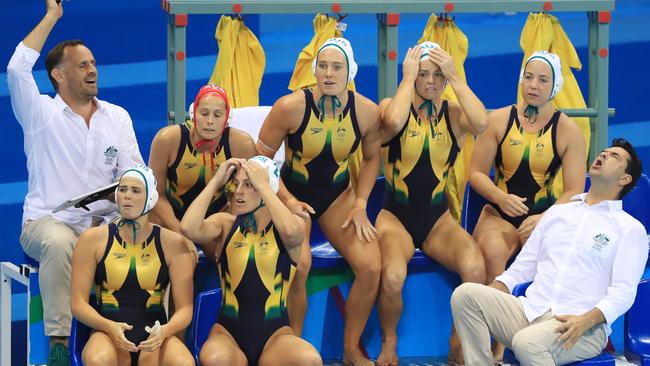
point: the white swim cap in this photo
(146, 176)
(272, 169)
(426, 47)
(553, 61)
(343, 46)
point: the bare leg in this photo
(297, 297)
(364, 259)
(171, 353)
(397, 249)
(451, 246)
(221, 349)
(100, 351)
(285, 349)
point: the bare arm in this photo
(473, 117)
(194, 225)
(160, 157)
(283, 119)
(485, 151)
(290, 227)
(37, 37)
(242, 144)
(368, 115)
(395, 111)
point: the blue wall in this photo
(128, 39)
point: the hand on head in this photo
(444, 61)
(411, 63)
(227, 170)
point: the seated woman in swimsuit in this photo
(257, 245)
(322, 128)
(422, 134)
(132, 262)
(186, 156)
(527, 143)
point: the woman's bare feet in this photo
(388, 355)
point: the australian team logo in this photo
(110, 154)
(340, 132)
(600, 241)
(146, 258)
(514, 142)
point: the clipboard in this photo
(87, 198)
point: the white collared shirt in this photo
(581, 257)
(65, 157)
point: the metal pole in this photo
(5, 318)
(602, 83)
(176, 57)
(8, 271)
(387, 55)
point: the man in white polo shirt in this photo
(74, 143)
(585, 259)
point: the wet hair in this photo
(54, 57)
(634, 166)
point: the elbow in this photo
(186, 230)
(481, 126)
(294, 233)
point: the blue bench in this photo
(637, 327)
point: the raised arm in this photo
(394, 112)
(37, 37)
(473, 117)
(87, 253)
(194, 225)
(290, 227)
(23, 90)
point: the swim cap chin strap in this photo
(248, 219)
(336, 103)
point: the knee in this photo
(462, 294)
(309, 357)
(368, 270)
(525, 347)
(99, 358)
(392, 280)
(216, 358)
(473, 269)
(182, 359)
(59, 246)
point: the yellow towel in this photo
(240, 63)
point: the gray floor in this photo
(441, 361)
